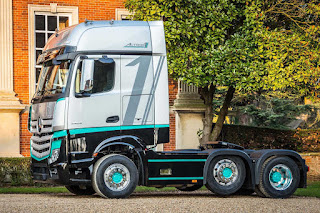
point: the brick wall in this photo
(88, 9)
(313, 161)
(173, 90)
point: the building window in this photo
(43, 20)
(45, 25)
(122, 14)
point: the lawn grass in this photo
(32, 190)
(313, 190)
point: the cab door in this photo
(98, 110)
(137, 97)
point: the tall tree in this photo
(242, 45)
(210, 43)
(289, 45)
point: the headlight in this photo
(54, 157)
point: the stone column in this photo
(189, 110)
(10, 106)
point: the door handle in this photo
(112, 119)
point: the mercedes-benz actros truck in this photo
(101, 107)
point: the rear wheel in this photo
(226, 175)
(114, 176)
(258, 192)
(81, 190)
(189, 188)
(279, 177)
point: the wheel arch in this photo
(133, 143)
(262, 155)
(249, 180)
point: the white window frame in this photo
(121, 12)
(33, 10)
(45, 31)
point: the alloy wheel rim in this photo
(280, 177)
(225, 172)
(117, 177)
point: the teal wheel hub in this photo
(280, 177)
(227, 172)
(117, 177)
(275, 177)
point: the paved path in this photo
(201, 201)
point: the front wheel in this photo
(279, 177)
(114, 176)
(81, 190)
(226, 175)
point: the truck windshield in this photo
(53, 78)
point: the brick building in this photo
(25, 26)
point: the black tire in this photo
(245, 192)
(289, 187)
(81, 190)
(237, 183)
(100, 185)
(189, 188)
(258, 192)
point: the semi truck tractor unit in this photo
(101, 107)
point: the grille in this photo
(40, 141)
(46, 126)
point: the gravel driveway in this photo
(200, 201)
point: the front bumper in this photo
(42, 172)
(59, 173)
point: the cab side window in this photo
(103, 77)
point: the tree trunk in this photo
(222, 114)
(207, 94)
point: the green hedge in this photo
(267, 138)
(15, 171)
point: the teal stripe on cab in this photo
(55, 145)
(39, 159)
(176, 160)
(61, 99)
(96, 129)
(176, 178)
(59, 134)
(113, 128)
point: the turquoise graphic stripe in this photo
(59, 134)
(176, 178)
(176, 160)
(61, 99)
(113, 128)
(39, 159)
(55, 145)
(34, 157)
